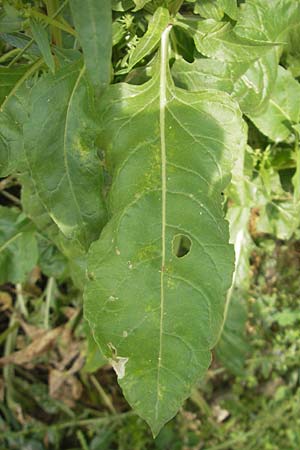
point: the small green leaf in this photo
(10, 20)
(151, 38)
(209, 9)
(250, 83)
(230, 8)
(283, 108)
(93, 23)
(155, 308)
(268, 20)
(139, 4)
(41, 37)
(20, 40)
(9, 77)
(18, 246)
(286, 318)
(233, 347)
(62, 154)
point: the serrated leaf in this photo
(18, 246)
(151, 38)
(94, 27)
(154, 312)
(16, 84)
(62, 154)
(283, 108)
(41, 37)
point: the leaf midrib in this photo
(162, 111)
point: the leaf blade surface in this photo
(93, 23)
(170, 155)
(61, 152)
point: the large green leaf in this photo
(62, 154)
(161, 268)
(283, 108)
(18, 246)
(15, 84)
(268, 20)
(207, 73)
(218, 40)
(93, 22)
(250, 84)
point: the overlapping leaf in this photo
(62, 154)
(160, 270)
(151, 38)
(219, 40)
(268, 20)
(18, 246)
(55, 249)
(94, 28)
(15, 84)
(283, 109)
(207, 73)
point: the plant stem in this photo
(68, 424)
(11, 197)
(20, 300)
(103, 395)
(52, 7)
(49, 296)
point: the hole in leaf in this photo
(181, 245)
